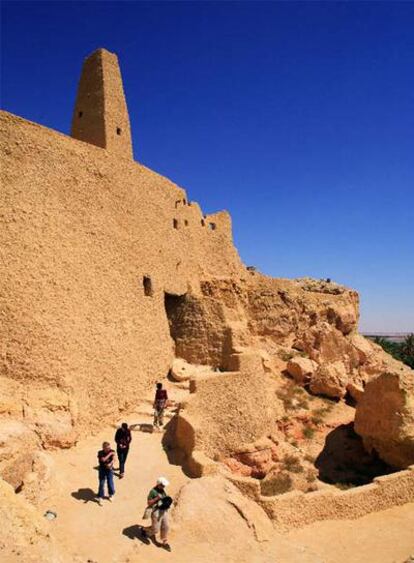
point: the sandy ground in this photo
(108, 534)
(380, 537)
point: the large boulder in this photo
(223, 508)
(301, 369)
(331, 380)
(183, 371)
(385, 417)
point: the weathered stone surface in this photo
(301, 369)
(330, 380)
(356, 391)
(259, 457)
(183, 371)
(223, 506)
(23, 533)
(40, 482)
(385, 417)
(18, 444)
(227, 410)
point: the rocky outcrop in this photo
(253, 460)
(330, 379)
(24, 535)
(183, 371)
(18, 445)
(222, 505)
(385, 417)
(301, 369)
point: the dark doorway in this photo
(174, 307)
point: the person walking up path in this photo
(106, 462)
(159, 502)
(160, 402)
(123, 439)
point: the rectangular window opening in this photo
(147, 283)
(212, 226)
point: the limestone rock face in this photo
(385, 417)
(301, 369)
(253, 460)
(222, 506)
(23, 534)
(183, 371)
(18, 445)
(330, 379)
(40, 480)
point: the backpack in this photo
(165, 503)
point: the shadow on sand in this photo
(176, 455)
(344, 459)
(87, 495)
(135, 532)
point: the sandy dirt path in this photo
(106, 534)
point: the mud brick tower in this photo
(101, 114)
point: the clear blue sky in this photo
(296, 117)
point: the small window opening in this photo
(175, 223)
(186, 222)
(177, 203)
(203, 223)
(147, 283)
(184, 202)
(212, 226)
(80, 114)
(118, 131)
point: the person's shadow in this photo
(87, 495)
(135, 532)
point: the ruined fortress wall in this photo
(230, 409)
(296, 509)
(82, 227)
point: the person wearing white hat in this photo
(159, 502)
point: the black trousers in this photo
(122, 456)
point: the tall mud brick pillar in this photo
(101, 114)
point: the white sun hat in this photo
(163, 481)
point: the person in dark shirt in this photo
(160, 402)
(123, 439)
(106, 462)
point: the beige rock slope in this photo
(24, 535)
